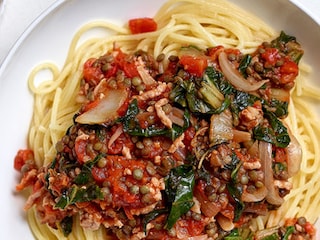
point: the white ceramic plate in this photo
(48, 38)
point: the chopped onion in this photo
(257, 196)
(145, 76)
(225, 223)
(254, 149)
(221, 127)
(280, 94)
(209, 209)
(265, 154)
(241, 136)
(115, 136)
(106, 109)
(176, 116)
(294, 152)
(234, 76)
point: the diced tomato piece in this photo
(215, 51)
(130, 69)
(80, 149)
(142, 25)
(289, 71)
(22, 156)
(92, 73)
(128, 66)
(194, 65)
(99, 174)
(310, 229)
(271, 56)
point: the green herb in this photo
(179, 192)
(66, 225)
(203, 95)
(243, 65)
(280, 109)
(132, 127)
(289, 231)
(234, 189)
(79, 194)
(151, 216)
(277, 134)
(288, 45)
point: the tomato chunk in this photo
(22, 156)
(142, 25)
(194, 65)
(289, 71)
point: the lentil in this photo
(137, 173)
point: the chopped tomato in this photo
(115, 172)
(22, 156)
(127, 65)
(193, 227)
(80, 149)
(271, 56)
(92, 73)
(215, 51)
(280, 155)
(194, 65)
(310, 229)
(123, 109)
(142, 25)
(289, 71)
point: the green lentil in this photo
(137, 174)
(144, 189)
(102, 162)
(136, 81)
(134, 189)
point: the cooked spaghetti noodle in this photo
(204, 24)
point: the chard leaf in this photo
(76, 194)
(179, 191)
(244, 63)
(280, 108)
(277, 134)
(289, 231)
(288, 45)
(66, 225)
(85, 175)
(151, 216)
(234, 189)
(132, 127)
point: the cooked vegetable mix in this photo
(196, 149)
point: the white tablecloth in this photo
(16, 15)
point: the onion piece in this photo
(208, 208)
(294, 152)
(115, 136)
(280, 94)
(106, 109)
(221, 127)
(234, 76)
(144, 74)
(253, 150)
(265, 155)
(225, 223)
(177, 116)
(257, 196)
(241, 136)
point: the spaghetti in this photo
(205, 24)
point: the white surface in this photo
(49, 37)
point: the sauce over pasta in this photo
(171, 147)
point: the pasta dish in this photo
(188, 125)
